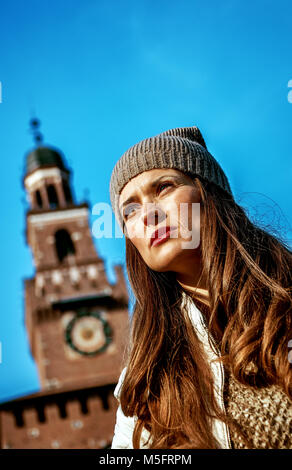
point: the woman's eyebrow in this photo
(152, 185)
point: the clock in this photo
(88, 333)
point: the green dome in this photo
(42, 157)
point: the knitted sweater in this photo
(264, 415)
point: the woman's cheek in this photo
(131, 231)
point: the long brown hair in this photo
(168, 384)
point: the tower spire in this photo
(35, 124)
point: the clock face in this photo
(88, 333)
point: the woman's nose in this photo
(152, 214)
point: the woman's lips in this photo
(161, 238)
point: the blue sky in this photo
(102, 75)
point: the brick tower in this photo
(76, 321)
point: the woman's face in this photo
(161, 212)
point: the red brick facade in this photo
(77, 326)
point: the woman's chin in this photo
(163, 261)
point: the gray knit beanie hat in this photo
(182, 149)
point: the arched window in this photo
(64, 245)
(38, 198)
(52, 196)
(67, 192)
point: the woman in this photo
(208, 359)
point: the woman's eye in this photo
(128, 211)
(162, 185)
